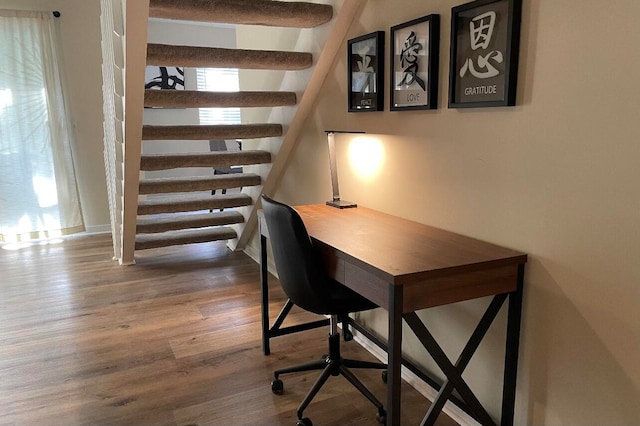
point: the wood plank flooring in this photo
(173, 340)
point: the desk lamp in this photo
(336, 202)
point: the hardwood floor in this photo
(173, 340)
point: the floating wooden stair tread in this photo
(190, 184)
(252, 12)
(193, 204)
(185, 221)
(212, 132)
(172, 238)
(201, 99)
(207, 159)
(215, 57)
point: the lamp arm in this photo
(332, 166)
(336, 202)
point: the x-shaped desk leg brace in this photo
(454, 373)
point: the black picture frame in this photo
(415, 54)
(365, 59)
(486, 33)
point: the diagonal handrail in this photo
(333, 45)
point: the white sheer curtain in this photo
(38, 193)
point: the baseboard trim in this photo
(254, 253)
(98, 229)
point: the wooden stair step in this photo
(186, 221)
(193, 204)
(190, 184)
(251, 12)
(215, 159)
(172, 238)
(211, 132)
(216, 57)
(202, 99)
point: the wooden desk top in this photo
(400, 251)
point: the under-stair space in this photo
(202, 206)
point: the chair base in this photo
(332, 365)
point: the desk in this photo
(404, 266)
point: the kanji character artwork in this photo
(414, 64)
(485, 37)
(366, 72)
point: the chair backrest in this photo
(299, 268)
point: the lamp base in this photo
(341, 204)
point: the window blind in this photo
(218, 80)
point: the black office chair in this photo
(305, 282)
(221, 145)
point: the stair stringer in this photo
(325, 43)
(124, 42)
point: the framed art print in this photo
(164, 78)
(485, 39)
(414, 64)
(366, 72)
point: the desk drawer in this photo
(354, 277)
(368, 285)
(459, 287)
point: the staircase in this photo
(179, 218)
(156, 212)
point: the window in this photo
(218, 80)
(38, 194)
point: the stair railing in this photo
(112, 30)
(136, 27)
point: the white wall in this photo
(556, 177)
(79, 29)
(255, 37)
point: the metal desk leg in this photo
(264, 289)
(511, 356)
(394, 380)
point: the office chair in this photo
(305, 282)
(221, 145)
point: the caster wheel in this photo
(384, 376)
(305, 421)
(381, 417)
(347, 335)
(277, 387)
